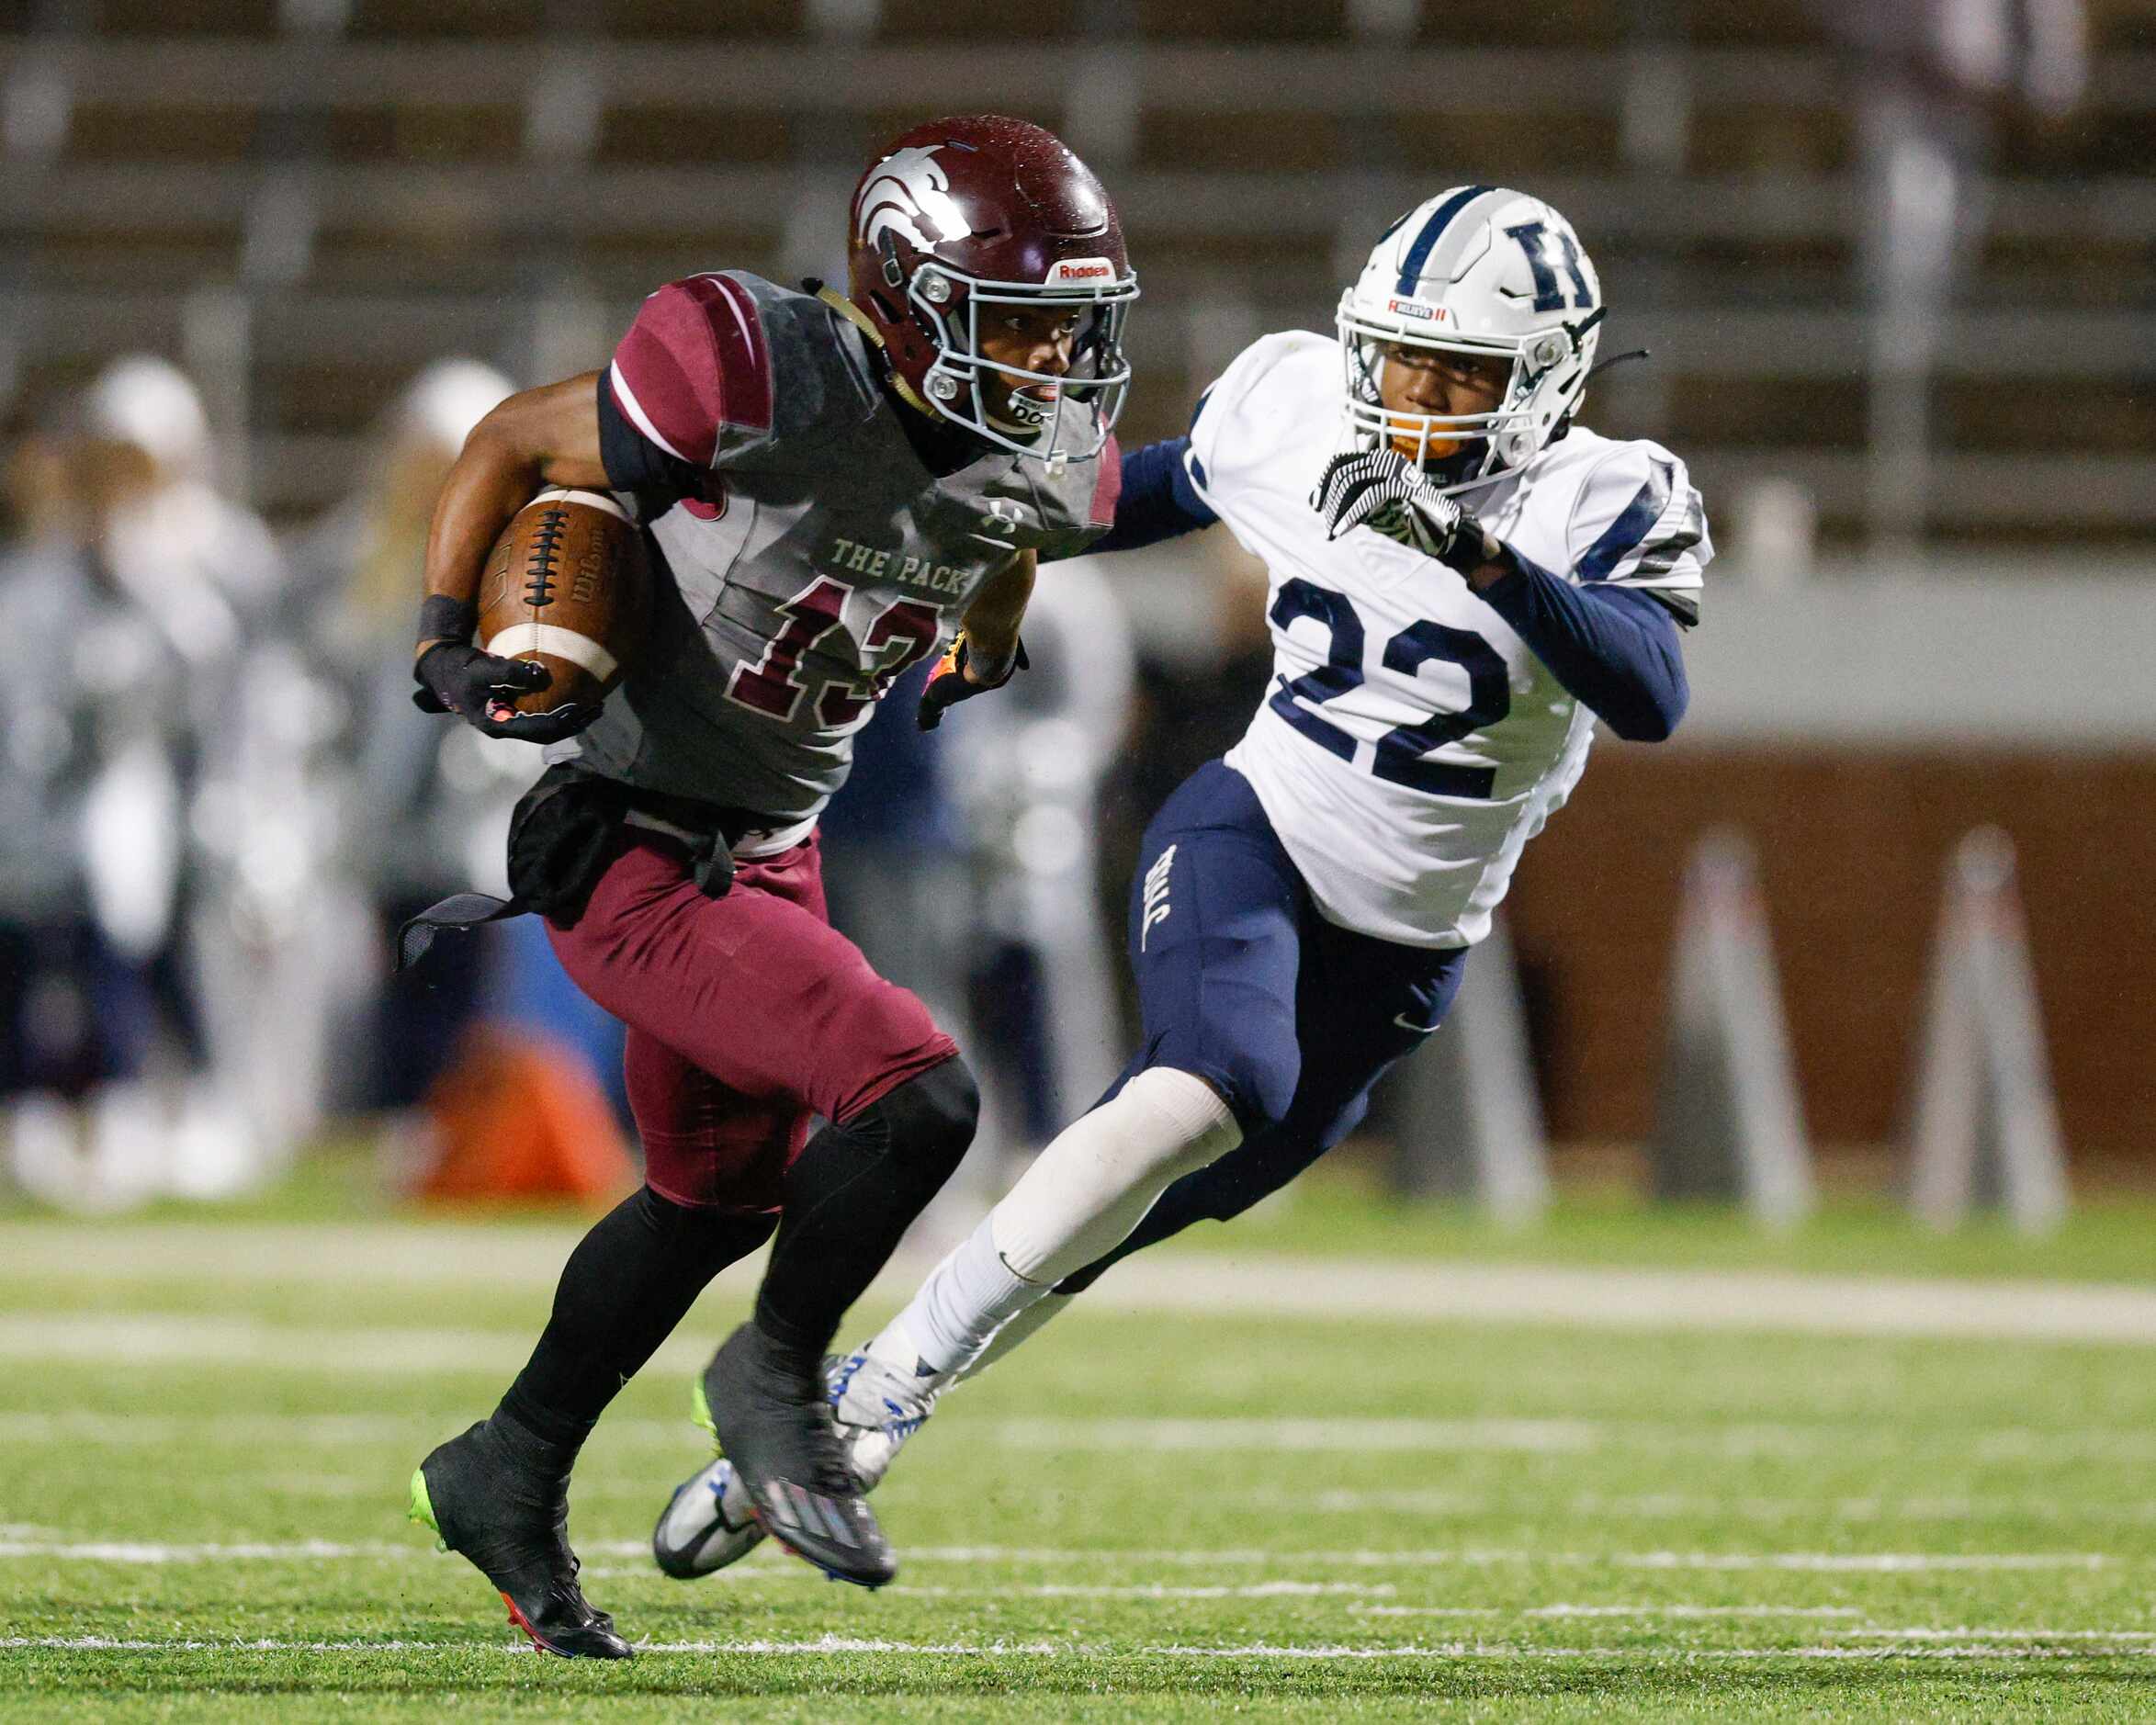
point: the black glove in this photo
(456, 677)
(1382, 490)
(948, 685)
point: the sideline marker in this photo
(1470, 1123)
(1983, 1121)
(1728, 1123)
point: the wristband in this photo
(442, 618)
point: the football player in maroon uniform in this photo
(834, 487)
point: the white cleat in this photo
(707, 1523)
(876, 1408)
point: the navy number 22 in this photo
(1401, 751)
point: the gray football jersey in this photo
(819, 561)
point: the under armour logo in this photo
(1004, 515)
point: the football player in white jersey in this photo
(1463, 580)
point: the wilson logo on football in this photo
(1066, 271)
(1410, 309)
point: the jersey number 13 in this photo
(902, 634)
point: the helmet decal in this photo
(905, 189)
(1533, 237)
(1418, 262)
(1077, 272)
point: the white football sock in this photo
(1017, 1330)
(1081, 1197)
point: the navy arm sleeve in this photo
(1614, 648)
(1157, 501)
(657, 479)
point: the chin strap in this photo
(859, 319)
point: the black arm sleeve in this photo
(636, 465)
(1614, 648)
(1157, 501)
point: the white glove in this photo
(1382, 490)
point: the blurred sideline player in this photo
(1454, 600)
(831, 484)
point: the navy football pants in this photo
(1291, 1018)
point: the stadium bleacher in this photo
(371, 183)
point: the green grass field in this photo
(206, 1428)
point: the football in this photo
(567, 584)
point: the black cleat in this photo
(510, 1518)
(774, 1421)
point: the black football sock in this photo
(629, 1281)
(851, 1194)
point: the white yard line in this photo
(826, 1646)
(1824, 1563)
(1641, 1299)
(324, 1349)
(312, 1431)
(407, 1255)
(742, 1574)
(1862, 1563)
(1447, 1506)
(2143, 1636)
(1367, 1435)
(1672, 1611)
(138, 1551)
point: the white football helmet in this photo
(1475, 270)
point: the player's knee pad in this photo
(1173, 1123)
(927, 1123)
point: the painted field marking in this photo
(1856, 1563)
(788, 1573)
(1535, 1437)
(406, 1256)
(1443, 1506)
(1674, 1611)
(1499, 1435)
(154, 1553)
(825, 1646)
(1859, 1562)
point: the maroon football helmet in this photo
(981, 211)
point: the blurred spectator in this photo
(423, 811)
(204, 567)
(424, 807)
(355, 568)
(1940, 78)
(1027, 767)
(242, 970)
(91, 742)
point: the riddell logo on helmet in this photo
(1072, 271)
(1411, 309)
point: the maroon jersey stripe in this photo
(695, 360)
(746, 359)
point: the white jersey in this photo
(1411, 744)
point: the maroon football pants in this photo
(747, 1015)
